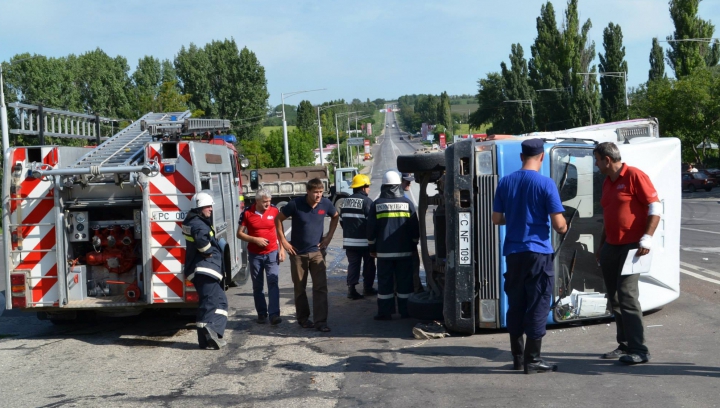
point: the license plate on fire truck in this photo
(464, 238)
(168, 215)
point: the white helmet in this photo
(203, 199)
(392, 177)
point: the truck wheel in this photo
(411, 163)
(422, 306)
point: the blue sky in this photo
(365, 49)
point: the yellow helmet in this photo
(361, 180)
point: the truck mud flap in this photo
(459, 305)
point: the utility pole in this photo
(622, 75)
(285, 136)
(525, 101)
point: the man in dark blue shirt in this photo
(306, 248)
(526, 202)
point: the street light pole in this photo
(337, 133)
(3, 117)
(320, 140)
(285, 136)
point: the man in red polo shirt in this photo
(631, 212)
(257, 228)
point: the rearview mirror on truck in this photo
(254, 179)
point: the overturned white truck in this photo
(465, 274)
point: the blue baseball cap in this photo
(533, 147)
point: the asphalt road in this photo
(152, 360)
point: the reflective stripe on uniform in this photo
(371, 242)
(355, 242)
(390, 296)
(224, 312)
(393, 254)
(191, 276)
(200, 325)
(353, 215)
(403, 295)
(189, 238)
(205, 248)
(208, 271)
(394, 214)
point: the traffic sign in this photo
(355, 141)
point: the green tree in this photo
(612, 104)
(253, 95)
(147, 79)
(657, 63)
(300, 146)
(686, 56)
(306, 117)
(104, 83)
(490, 99)
(516, 116)
(443, 113)
(194, 71)
(558, 56)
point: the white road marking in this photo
(699, 230)
(287, 231)
(696, 275)
(700, 269)
(702, 250)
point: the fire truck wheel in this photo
(415, 163)
(422, 306)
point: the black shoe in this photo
(353, 294)
(275, 320)
(617, 353)
(214, 341)
(262, 319)
(382, 317)
(635, 358)
(202, 339)
(369, 291)
(532, 362)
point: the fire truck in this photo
(99, 228)
(465, 273)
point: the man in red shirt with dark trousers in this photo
(631, 212)
(257, 228)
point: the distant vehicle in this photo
(368, 156)
(393, 125)
(713, 172)
(386, 125)
(401, 138)
(698, 180)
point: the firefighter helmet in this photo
(392, 177)
(203, 199)
(361, 180)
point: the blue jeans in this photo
(269, 264)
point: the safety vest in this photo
(353, 213)
(393, 229)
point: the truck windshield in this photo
(579, 287)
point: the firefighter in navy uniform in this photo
(203, 267)
(392, 232)
(353, 214)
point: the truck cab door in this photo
(576, 269)
(343, 179)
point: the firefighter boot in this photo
(202, 339)
(353, 293)
(517, 347)
(533, 363)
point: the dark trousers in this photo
(355, 257)
(528, 285)
(212, 310)
(301, 266)
(267, 263)
(622, 291)
(394, 274)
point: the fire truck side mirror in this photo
(254, 179)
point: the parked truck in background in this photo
(286, 183)
(99, 229)
(465, 273)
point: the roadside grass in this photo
(267, 129)
(464, 129)
(464, 108)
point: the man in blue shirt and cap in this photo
(527, 202)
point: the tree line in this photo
(559, 87)
(218, 80)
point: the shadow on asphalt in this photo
(572, 363)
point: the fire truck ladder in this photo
(123, 148)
